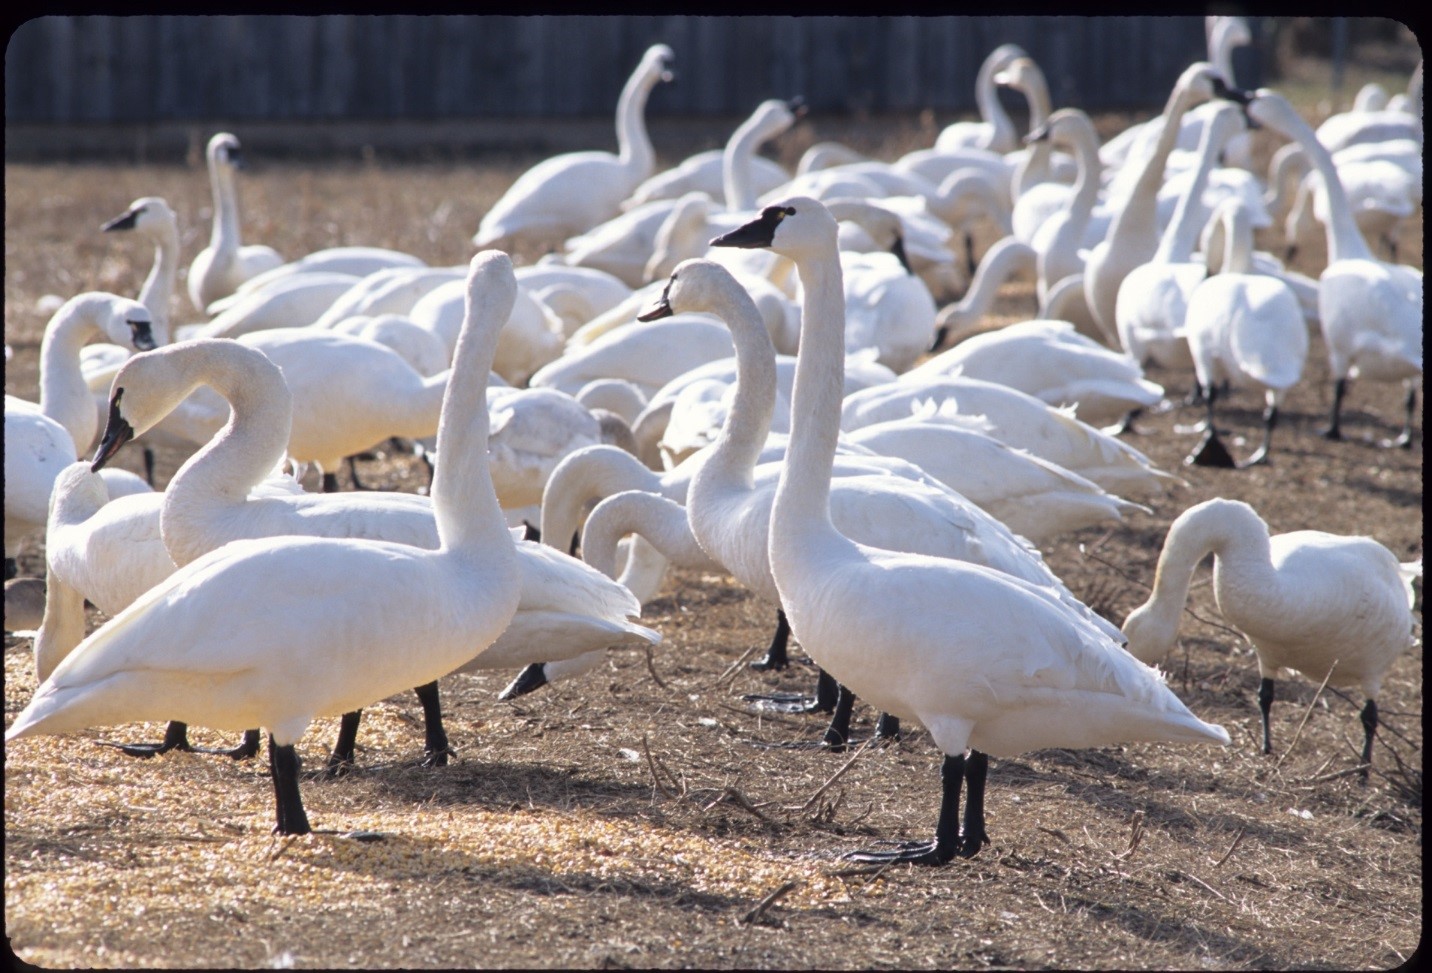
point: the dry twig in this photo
(769, 901)
(1231, 848)
(1306, 713)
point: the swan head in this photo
(123, 321)
(657, 60)
(224, 151)
(1150, 638)
(698, 285)
(149, 213)
(884, 227)
(794, 227)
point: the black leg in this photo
(576, 544)
(947, 832)
(330, 483)
(148, 465)
(530, 533)
(353, 473)
(1290, 253)
(1369, 728)
(435, 740)
(887, 728)
(1265, 705)
(341, 759)
(1127, 424)
(11, 568)
(283, 764)
(970, 263)
(1210, 451)
(529, 679)
(176, 737)
(827, 693)
(776, 657)
(1334, 429)
(972, 834)
(1195, 394)
(941, 333)
(1270, 419)
(249, 748)
(838, 732)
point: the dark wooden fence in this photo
(166, 69)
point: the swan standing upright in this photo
(277, 631)
(225, 263)
(982, 659)
(573, 192)
(1370, 311)
(1328, 606)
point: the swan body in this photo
(1016, 419)
(532, 429)
(1051, 361)
(361, 619)
(646, 354)
(1325, 605)
(416, 345)
(1007, 258)
(391, 291)
(350, 261)
(226, 262)
(1047, 675)
(572, 193)
(532, 337)
(1030, 495)
(290, 302)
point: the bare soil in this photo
(633, 818)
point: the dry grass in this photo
(629, 819)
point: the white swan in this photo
(151, 219)
(355, 261)
(1051, 361)
(532, 337)
(573, 192)
(1382, 194)
(417, 346)
(225, 263)
(295, 301)
(1370, 312)
(982, 659)
(1007, 258)
(647, 354)
(42, 438)
(1325, 605)
(1245, 329)
(361, 619)
(1017, 419)
(995, 131)
(1060, 239)
(392, 291)
(1153, 297)
(1133, 234)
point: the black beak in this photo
(1037, 135)
(236, 158)
(659, 308)
(124, 222)
(117, 432)
(798, 107)
(141, 336)
(898, 249)
(760, 232)
(1221, 89)
(529, 679)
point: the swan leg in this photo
(1126, 425)
(970, 263)
(1404, 438)
(530, 533)
(1265, 705)
(776, 657)
(435, 743)
(1210, 451)
(972, 834)
(341, 760)
(838, 733)
(330, 483)
(249, 748)
(353, 474)
(532, 678)
(827, 694)
(887, 728)
(148, 465)
(1369, 728)
(283, 765)
(1334, 429)
(947, 832)
(176, 737)
(1270, 419)
(1195, 394)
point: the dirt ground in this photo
(632, 819)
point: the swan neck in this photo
(469, 520)
(1285, 173)
(591, 473)
(1232, 532)
(987, 98)
(660, 521)
(1345, 241)
(1085, 143)
(1237, 241)
(1140, 211)
(802, 500)
(64, 396)
(1000, 262)
(1181, 235)
(634, 144)
(254, 440)
(736, 163)
(743, 436)
(224, 237)
(158, 291)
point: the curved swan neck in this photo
(1285, 171)
(1231, 531)
(987, 98)
(802, 501)
(765, 123)
(634, 145)
(64, 396)
(157, 293)
(590, 473)
(1005, 258)
(469, 520)
(1139, 214)
(1345, 242)
(224, 237)
(743, 436)
(250, 445)
(1084, 141)
(660, 521)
